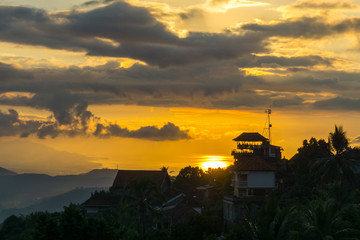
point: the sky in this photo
(143, 84)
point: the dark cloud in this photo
(95, 2)
(338, 103)
(67, 92)
(167, 132)
(255, 99)
(356, 140)
(12, 125)
(128, 31)
(276, 61)
(324, 5)
(67, 108)
(62, 90)
(306, 27)
(7, 72)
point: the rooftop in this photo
(102, 200)
(124, 177)
(250, 137)
(254, 164)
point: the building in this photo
(124, 177)
(102, 201)
(255, 175)
(250, 144)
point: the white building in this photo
(254, 175)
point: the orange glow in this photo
(214, 162)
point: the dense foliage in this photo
(322, 202)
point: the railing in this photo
(248, 146)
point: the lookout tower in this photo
(256, 173)
(253, 144)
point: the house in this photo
(124, 177)
(102, 201)
(255, 175)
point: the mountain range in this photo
(24, 193)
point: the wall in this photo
(261, 180)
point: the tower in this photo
(267, 126)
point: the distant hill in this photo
(52, 204)
(23, 190)
(5, 172)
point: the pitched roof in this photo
(124, 177)
(254, 164)
(102, 201)
(250, 137)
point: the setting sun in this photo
(214, 162)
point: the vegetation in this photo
(321, 203)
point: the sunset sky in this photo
(142, 84)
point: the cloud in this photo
(12, 125)
(305, 27)
(66, 92)
(338, 103)
(192, 13)
(67, 108)
(282, 61)
(95, 2)
(356, 140)
(224, 5)
(121, 30)
(324, 5)
(167, 132)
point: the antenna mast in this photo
(268, 125)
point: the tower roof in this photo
(250, 137)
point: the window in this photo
(243, 179)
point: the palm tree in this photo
(323, 220)
(340, 166)
(274, 222)
(338, 140)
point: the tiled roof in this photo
(250, 137)
(253, 164)
(102, 201)
(124, 177)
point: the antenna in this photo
(268, 125)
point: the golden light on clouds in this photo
(145, 64)
(225, 5)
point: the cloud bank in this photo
(234, 69)
(12, 125)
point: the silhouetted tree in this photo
(189, 178)
(323, 219)
(339, 166)
(72, 223)
(46, 227)
(339, 142)
(274, 222)
(143, 192)
(302, 162)
(12, 228)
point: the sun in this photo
(214, 162)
